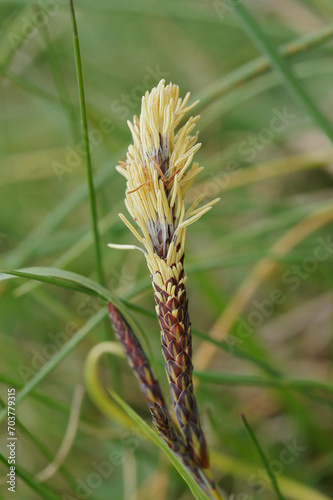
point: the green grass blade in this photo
(66, 279)
(44, 491)
(86, 144)
(73, 252)
(197, 492)
(262, 455)
(280, 64)
(44, 279)
(82, 284)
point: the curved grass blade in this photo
(66, 279)
(74, 251)
(75, 282)
(44, 279)
(115, 408)
(72, 281)
(79, 283)
(151, 434)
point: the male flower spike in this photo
(159, 171)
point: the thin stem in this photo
(263, 458)
(84, 126)
(293, 84)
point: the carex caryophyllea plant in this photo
(159, 171)
(151, 390)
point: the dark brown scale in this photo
(163, 162)
(150, 388)
(177, 351)
(160, 243)
(136, 358)
(166, 430)
(176, 340)
(164, 165)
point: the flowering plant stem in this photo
(159, 171)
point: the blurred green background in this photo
(271, 164)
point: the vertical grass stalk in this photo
(263, 457)
(86, 145)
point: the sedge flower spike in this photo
(151, 390)
(159, 170)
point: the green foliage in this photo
(266, 157)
